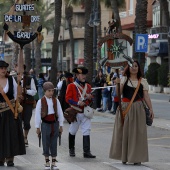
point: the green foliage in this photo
(163, 75)
(169, 79)
(152, 73)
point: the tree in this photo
(53, 75)
(47, 21)
(88, 42)
(69, 17)
(164, 4)
(140, 28)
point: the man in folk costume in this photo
(28, 92)
(50, 117)
(74, 98)
(62, 85)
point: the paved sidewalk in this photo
(157, 122)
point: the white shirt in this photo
(32, 91)
(50, 111)
(6, 88)
(59, 85)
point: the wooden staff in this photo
(119, 96)
(20, 70)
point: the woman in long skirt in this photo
(11, 134)
(129, 141)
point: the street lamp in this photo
(94, 21)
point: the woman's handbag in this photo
(149, 120)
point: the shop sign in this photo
(153, 36)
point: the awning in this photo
(158, 49)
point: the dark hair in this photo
(127, 71)
(41, 75)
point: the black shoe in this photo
(72, 152)
(1, 163)
(139, 163)
(89, 155)
(124, 163)
(10, 163)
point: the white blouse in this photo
(6, 88)
(135, 83)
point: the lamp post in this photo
(94, 22)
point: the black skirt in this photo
(11, 135)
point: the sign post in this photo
(141, 43)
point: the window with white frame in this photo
(131, 7)
(156, 16)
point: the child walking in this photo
(49, 116)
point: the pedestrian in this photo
(11, 134)
(28, 92)
(49, 116)
(99, 82)
(129, 141)
(64, 83)
(105, 96)
(115, 99)
(41, 81)
(73, 97)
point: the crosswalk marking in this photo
(120, 166)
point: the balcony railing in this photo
(126, 14)
(123, 14)
(130, 12)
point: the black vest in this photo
(10, 90)
(129, 91)
(27, 85)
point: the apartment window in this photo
(156, 16)
(131, 7)
(78, 20)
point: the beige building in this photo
(78, 33)
(128, 18)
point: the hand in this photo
(80, 103)
(19, 77)
(89, 96)
(5, 27)
(117, 80)
(38, 131)
(24, 90)
(151, 114)
(61, 129)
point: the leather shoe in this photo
(89, 155)
(10, 163)
(138, 163)
(72, 152)
(1, 163)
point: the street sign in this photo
(141, 43)
(2, 56)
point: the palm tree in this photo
(47, 21)
(88, 41)
(69, 17)
(140, 28)
(53, 76)
(164, 4)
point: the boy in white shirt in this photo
(49, 116)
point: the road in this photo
(101, 134)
